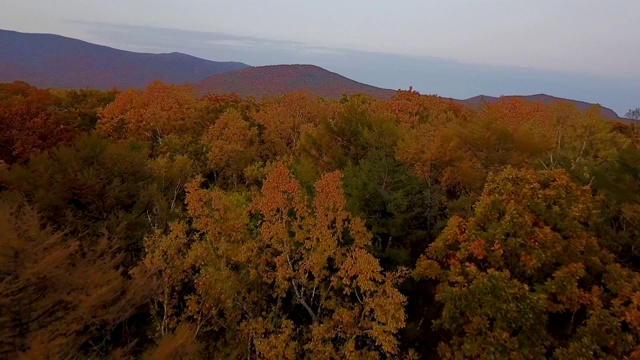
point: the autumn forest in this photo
(158, 224)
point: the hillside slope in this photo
(265, 81)
(47, 60)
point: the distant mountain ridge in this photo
(48, 60)
(266, 81)
(477, 101)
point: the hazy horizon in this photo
(574, 49)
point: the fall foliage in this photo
(156, 224)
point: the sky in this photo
(582, 49)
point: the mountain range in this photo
(48, 60)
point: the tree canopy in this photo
(157, 224)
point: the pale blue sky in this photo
(592, 39)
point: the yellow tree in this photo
(440, 155)
(231, 145)
(316, 251)
(285, 275)
(584, 143)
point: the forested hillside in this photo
(156, 224)
(269, 81)
(605, 112)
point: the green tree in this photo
(96, 186)
(523, 277)
(58, 298)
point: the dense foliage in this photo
(155, 224)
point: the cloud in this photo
(211, 45)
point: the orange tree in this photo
(31, 121)
(161, 114)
